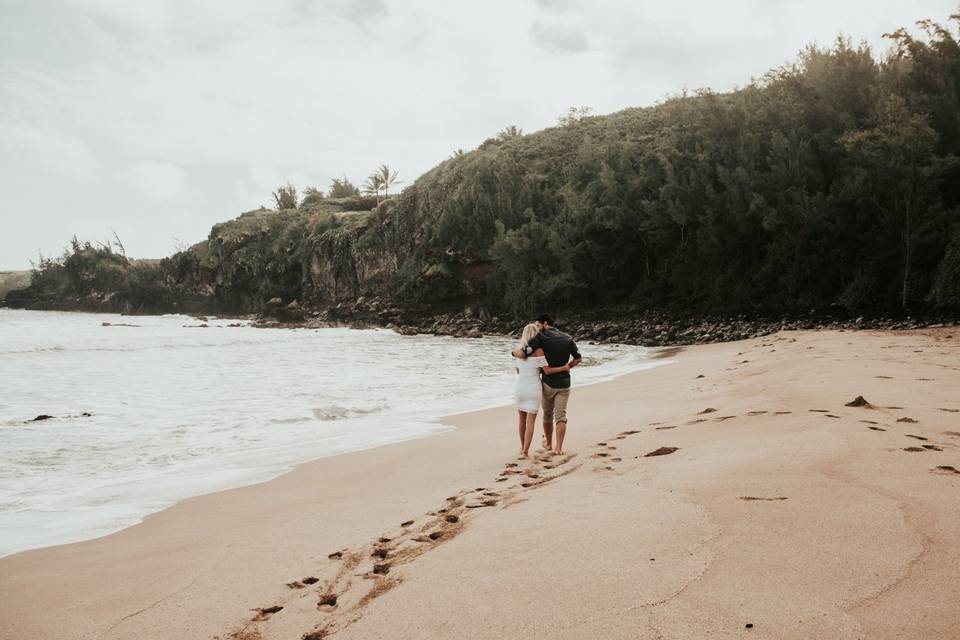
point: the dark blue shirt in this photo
(558, 348)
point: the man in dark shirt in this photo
(559, 350)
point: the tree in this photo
(574, 115)
(373, 185)
(388, 178)
(896, 171)
(342, 188)
(507, 133)
(285, 197)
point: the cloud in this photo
(158, 181)
(47, 151)
(558, 38)
(363, 11)
(554, 5)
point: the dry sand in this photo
(781, 508)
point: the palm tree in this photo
(388, 178)
(373, 185)
(513, 131)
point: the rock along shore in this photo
(626, 325)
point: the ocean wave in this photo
(337, 412)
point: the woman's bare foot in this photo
(524, 455)
(559, 452)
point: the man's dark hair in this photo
(545, 318)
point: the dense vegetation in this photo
(830, 181)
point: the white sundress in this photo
(527, 390)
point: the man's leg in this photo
(546, 401)
(560, 414)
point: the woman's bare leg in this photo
(522, 415)
(528, 435)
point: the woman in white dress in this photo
(528, 390)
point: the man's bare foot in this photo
(523, 455)
(559, 452)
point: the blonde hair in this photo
(529, 332)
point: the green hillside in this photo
(831, 182)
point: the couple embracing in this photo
(543, 361)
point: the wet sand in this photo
(730, 494)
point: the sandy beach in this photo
(772, 510)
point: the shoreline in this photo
(630, 326)
(432, 421)
(697, 537)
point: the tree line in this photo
(377, 183)
(832, 181)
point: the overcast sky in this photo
(159, 118)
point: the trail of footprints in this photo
(367, 572)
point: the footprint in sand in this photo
(665, 428)
(266, 613)
(775, 498)
(407, 523)
(876, 428)
(910, 435)
(707, 410)
(328, 600)
(819, 410)
(907, 420)
(913, 449)
(755, 413)
(781, 413)
(662, 451)
(932, 447)
(946, 470)
(477, 505)
(336, 555)
(948, 410)
(952, 434)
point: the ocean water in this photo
(176, 410)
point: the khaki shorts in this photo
(554, 403)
